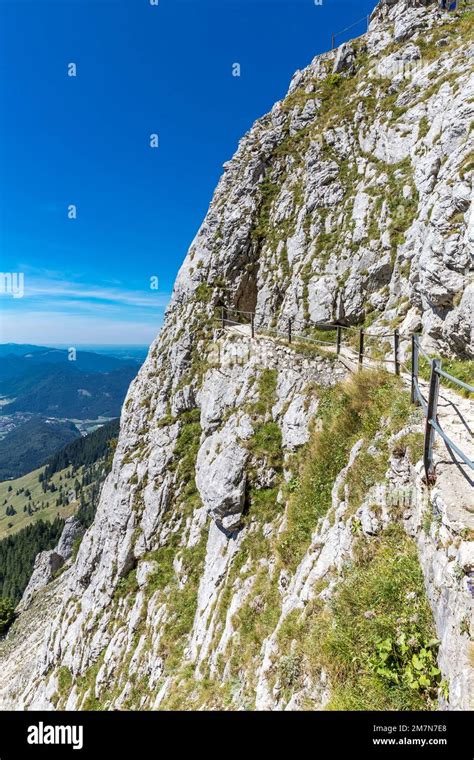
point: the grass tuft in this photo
(348, 412)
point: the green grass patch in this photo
(268, 192)
(266, 389)
(368, 470)
(254, 622)
(127, 584)
(375, 640)
(378, 642)
(181, 606)
(410, 444)
(460, 368)
(164, 557)
(266, 444)
(348, 412)
(65, 681)
(185, 453)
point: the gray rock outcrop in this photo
(350, 201)
(49, 562)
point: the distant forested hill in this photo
(40, 501)
(29, 444)
(44, 381)
(85, 451)
(65, 392)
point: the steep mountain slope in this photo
(251, 547)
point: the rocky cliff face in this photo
(249, 530)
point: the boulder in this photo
(71, 531)
(47, 563)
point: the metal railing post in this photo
(431, 414)
(414, 368)
(338, 339)
(289, 331)
(252, 325)
(361, 347)
(223, 317)
(396, 348)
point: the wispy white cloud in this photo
(44, 328)
(55, 309)
(54, 289)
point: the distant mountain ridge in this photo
(12, 354)
(42, 380)
(27, 446)
(65, 392)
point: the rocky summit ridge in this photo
(252, 530)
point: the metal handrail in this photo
(453, 379)
(421, 398)
(239, 311)
(315, 340)
(430, 406)
(424, 354)
(451, 444)
(330, 327)
(348, 28)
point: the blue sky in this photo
(84, 140)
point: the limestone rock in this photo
(327, 211)
(71, 532)
(220, 472)
(47, 563)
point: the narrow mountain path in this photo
(454, 479)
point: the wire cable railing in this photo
(231, 317)
(365, 19)
(428, 404)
